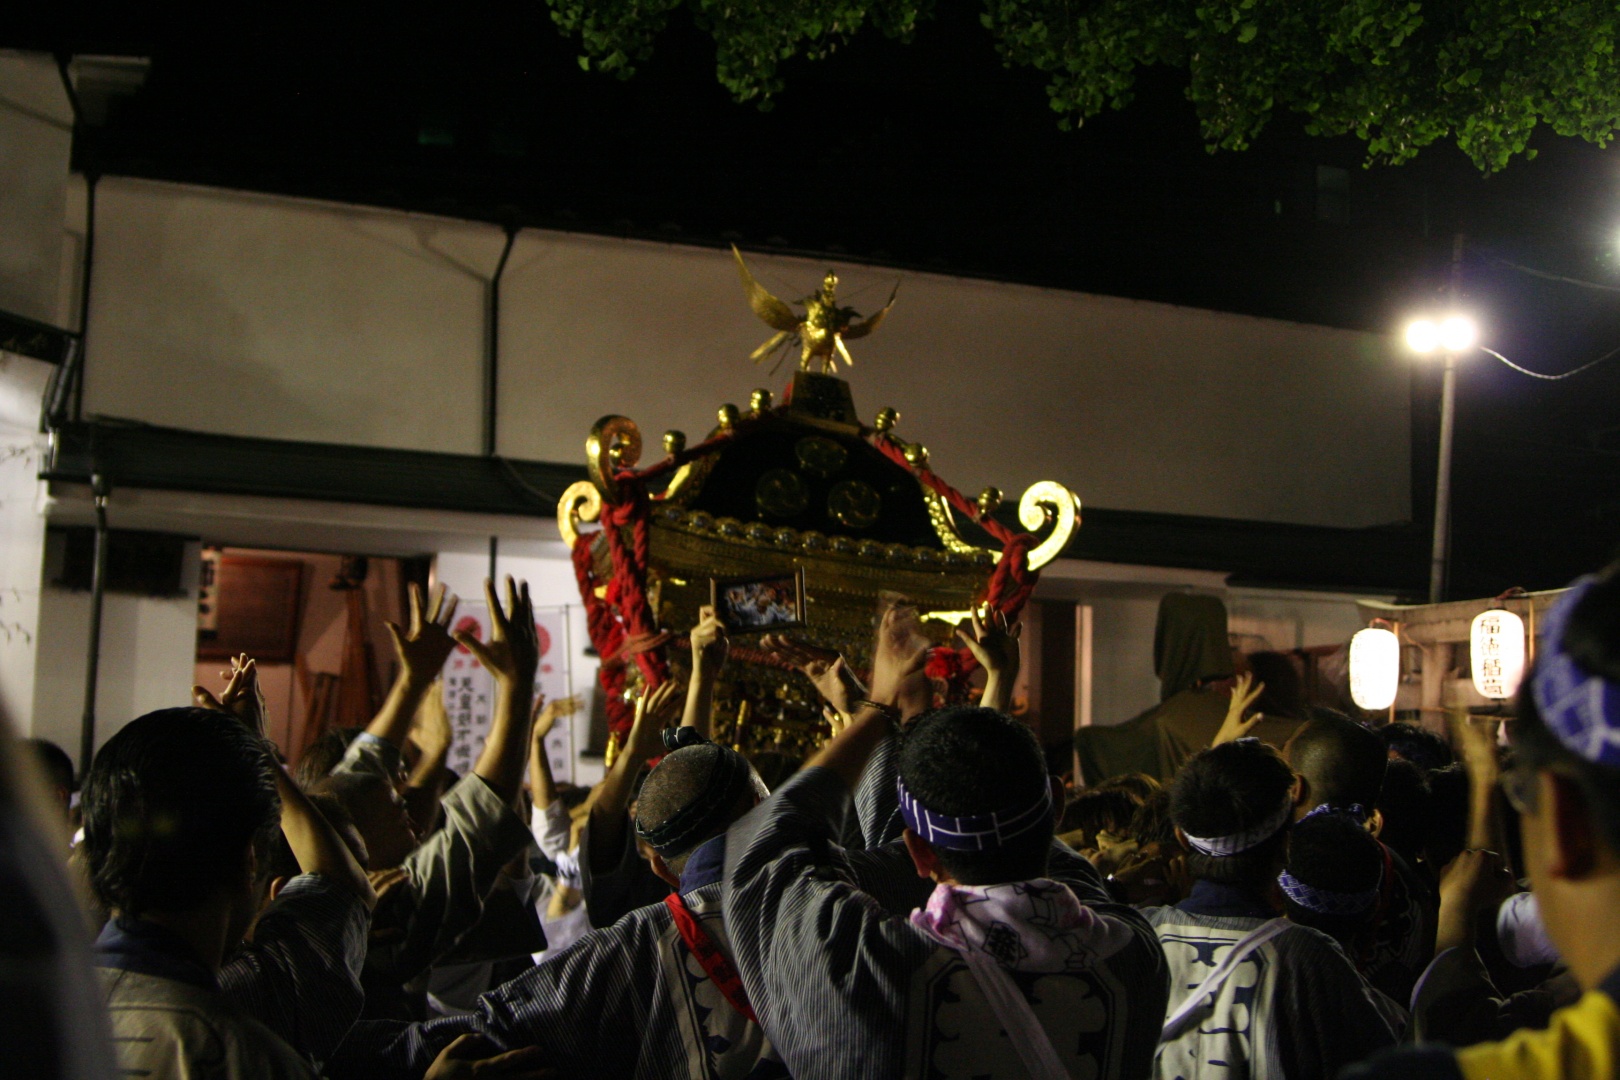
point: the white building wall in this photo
(148, 657)
(259, 315)
(22, 532)
(36, 130)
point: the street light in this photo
(1451, 335)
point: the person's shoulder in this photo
(1306, 946)
(167, 1027)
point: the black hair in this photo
(53, 761)
(323, 755)
(356, 794)
(1404, 804)
(1336, 853)
(1095, 810)
(1140, 785)
(1592, 640)
(1416, 744)
(680, 780)
(1229, 789)
(1151, 824)
(171, 803)
(1445, 831)
(965, 761)
(1342, 761)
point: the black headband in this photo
(729, 777)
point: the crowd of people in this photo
(921, 898)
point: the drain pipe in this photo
(98, 591)
(492, 347)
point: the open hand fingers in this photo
(414, 595)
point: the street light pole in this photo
(1442, 482)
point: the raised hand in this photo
(709, 643)
(994, 644)
(424, 646)
(512, 653)
(993, 641)
(654, 711)
(547, 713)
(900, 652)
(838, 686)
(242, 697)
(466, 1059)
(1237, 725)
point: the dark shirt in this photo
(1557, 1046)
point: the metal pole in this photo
(1442, 483)
(492, 350)
(98, 588)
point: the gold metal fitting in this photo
(989, 502)
(728, 416)
(886, 419)
(759, 401)
(674, 442)
(917, 454)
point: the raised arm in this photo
(314, 842)
(512, 656)
(610, 804)
(900, 653)
(542, 785)
(1476, 743)
(709, 648)
(994, 644)
(422, 649)
(838, 686)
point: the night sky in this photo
(929, 155)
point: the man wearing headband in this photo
(654, 995)
(1019, 966)
(1251, 995)
(1341, 766)
(1565, 784)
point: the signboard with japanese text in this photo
(469, 690)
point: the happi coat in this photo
(847, 987)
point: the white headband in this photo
(1219, 847)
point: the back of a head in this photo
(1100, 810)
(1333, 875)
(1404, 805)
(1342, 761)
(1445, 823)
(1233, 803)
(171, 804)
(1569, 705)
(54, 764)
(1140, 786)
(970, 762)
(1418, 745)
(323, 755)
(694, 795)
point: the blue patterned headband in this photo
(1326, 901)
(1581, 709)
(976, 832)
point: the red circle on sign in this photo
(470, 626)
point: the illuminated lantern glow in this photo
(1496, 643)
(1375, 668)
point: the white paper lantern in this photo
(1497, 646)
(1375, 668)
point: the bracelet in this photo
(877, 706)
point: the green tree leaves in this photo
(1399, 76)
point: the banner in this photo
(469, 690)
